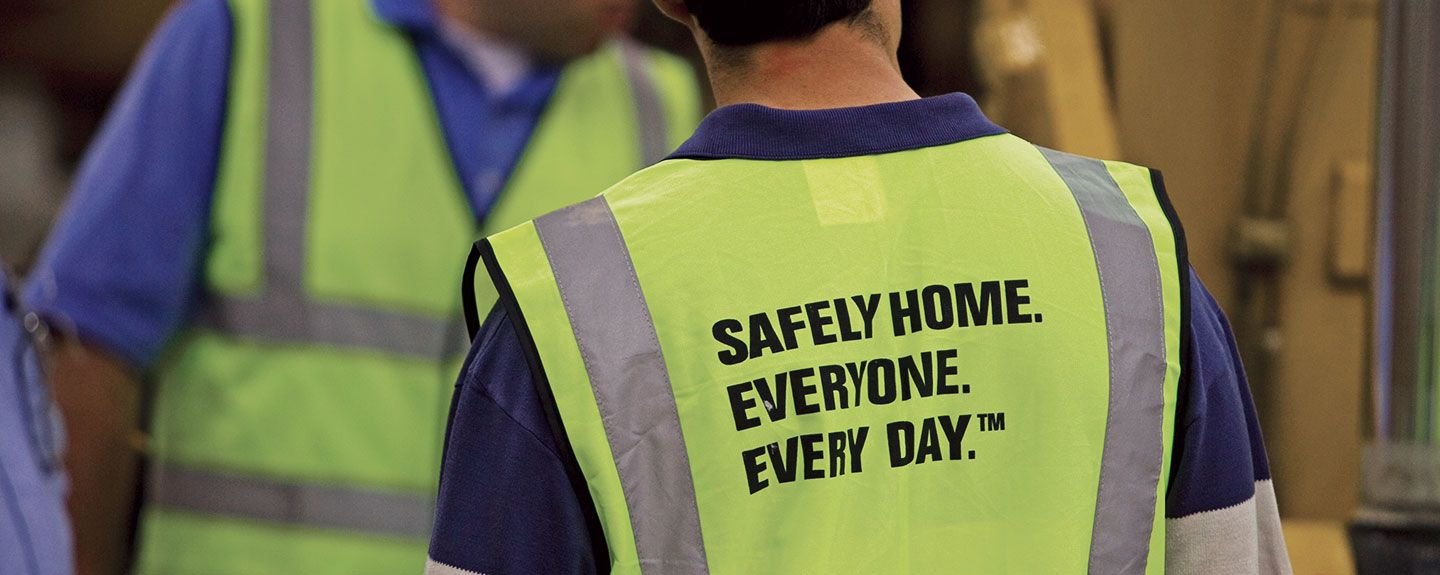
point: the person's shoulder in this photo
(1214, 356)
(194, 38)
(1122, 172)
(679, 180)
(1213, 365)
(494, 344)
(192, 17)
(498, 373)
(1219, 449)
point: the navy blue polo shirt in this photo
(507, 506)
(123, 267)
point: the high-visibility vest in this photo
(961, 358)
(297, 428)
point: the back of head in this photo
(739, 23)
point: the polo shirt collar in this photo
(754, 132)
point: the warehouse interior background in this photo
(1261, 113)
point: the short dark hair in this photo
(741, 23)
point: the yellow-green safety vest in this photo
(960, 358)
(297, 427)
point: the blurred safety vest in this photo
(298, 427)
(957, 358)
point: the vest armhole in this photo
(467, 288)
(1182, 257)
(484, 251)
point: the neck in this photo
(840, 67)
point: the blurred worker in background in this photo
(34, 533)
(270, 228)
(848, 330)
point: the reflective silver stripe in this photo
(622, 356)
(391, 514)
(277, 319)
(1135, 326)
(283, 311)
(288, 125)
(652, 126)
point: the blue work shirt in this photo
(34, 530)
(124, 266)
(507, 505)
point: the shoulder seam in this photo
(484, 394)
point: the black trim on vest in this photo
(483, 250)
(467, 290)
(1182, 257)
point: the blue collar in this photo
(416, 15)
(754, 132)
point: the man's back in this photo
(917, 342)
(847, 329)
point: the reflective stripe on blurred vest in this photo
(962, 357)
(298, 426)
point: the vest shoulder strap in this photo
(467, 289)
(483, 253)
